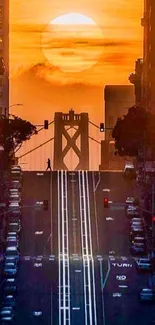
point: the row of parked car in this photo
(138, 244)
(11, 252)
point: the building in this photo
(148, 23)
(136, 79)
(117, 101)
(4, 56)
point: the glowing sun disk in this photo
(72, 19)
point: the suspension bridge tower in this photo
(63, 123)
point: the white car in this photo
(132, 211)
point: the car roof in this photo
(12, 248)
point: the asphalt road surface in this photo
(76, 267)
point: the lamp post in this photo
(7, 108)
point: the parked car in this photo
(138, 249)
(138, 239)
(9, 301)
(10, 286)
(143, 264)
(147, 295)
(132, 211)
(139, 220)
(15, 184)
(10, 269)
(136, 231)
(14, 226)
(12, 242)
(12, 253)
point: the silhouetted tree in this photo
(135, 129)
(13, 132)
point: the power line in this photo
(94, 125)
(42, 144)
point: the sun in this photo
(72, 42)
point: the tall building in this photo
(136, 80)
(117, 101)
(4, 56)
(148, 22)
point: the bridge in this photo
(67, 143)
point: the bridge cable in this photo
(42, 144)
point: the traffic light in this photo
(46, 124)
(101, 127)
(45, 205)
(106, 202)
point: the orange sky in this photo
(44, 89)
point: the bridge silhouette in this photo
(68, 147)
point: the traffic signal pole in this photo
(153, 221)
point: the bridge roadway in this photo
(76, 268)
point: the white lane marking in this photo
(96, 223)
(37, 265)
(123, 286)
(51, 307)
(77, 271)
(63, 250)
(86, 260)
(91, 249)
(51, 211)
(38, 232)
(117, 294)
(107, 274)
(124, 258)
(27, 258)
(121, 277)
(82, 240)
(67, 244)
(111, 252)
(102, 295)
(37, 313)
(121, 265)
(75, 308)
(109, 218)
(59, 251)
(98, 182)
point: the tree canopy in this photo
(13, 132)
(135, 129)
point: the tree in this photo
(135, 129)
(13, 132)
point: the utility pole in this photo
(153, 222)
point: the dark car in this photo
(10, 286)
(136, 231)
(9, 301)
(147, 295)
(10, 269)
(138, 249)
(132, 211)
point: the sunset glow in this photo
(72, 19)
(66, 41)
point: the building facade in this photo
(4, 57)
(148, 23)
(117, 101)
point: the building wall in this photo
(117, 101)
(4, 56)
(148, 23)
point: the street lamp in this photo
(7, 108)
